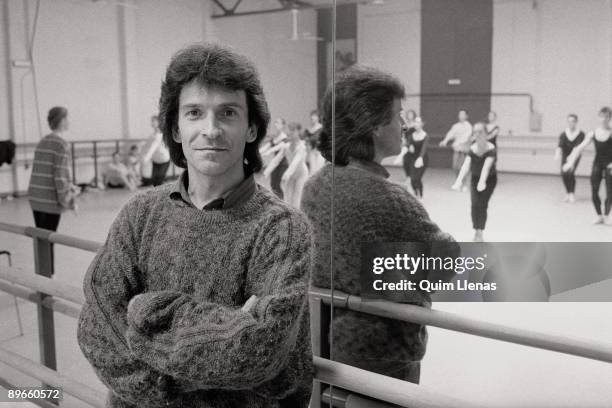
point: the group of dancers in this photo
(474, 152)
(292, 156)
(572, 143)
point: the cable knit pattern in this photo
(368, 208)
(162, 324)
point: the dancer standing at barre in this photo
(407, 154)
(419, 142)
(602, 164)
(568, 140)
(492, 128)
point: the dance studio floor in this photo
(524, 208)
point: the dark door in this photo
(456, 47)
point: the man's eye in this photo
(229, 113)
(193, 113)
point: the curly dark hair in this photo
(364, 101)
(213, 65)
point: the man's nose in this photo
(210, 127)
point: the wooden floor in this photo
(524, 208)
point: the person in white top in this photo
(117, 174)
(294, 178)
(461, 136)
(278, 165)
(156, 151)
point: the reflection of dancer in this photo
(568, 141)
(461, 136)
(602, 164)
(407, 154)
(278, 165)
(314, 159)
(295, 176)
(419, 165)
(481, 162)
(492, 128)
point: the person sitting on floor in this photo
(117, 175)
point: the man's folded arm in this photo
(214, 346)
(109, 284)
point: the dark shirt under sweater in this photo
(368, 209)
(184, 341)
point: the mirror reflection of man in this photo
(198, 297)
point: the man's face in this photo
(463, 116)
(388, 140)
(213, 129)
(480, 134)
(64, 124)
(571, 122)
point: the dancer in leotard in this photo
(419, 165)
(407, 155)
(492, 128)
(602, 164)
(480, 160)
(568, 140)
(296, 174)
(278, 165)
(314, 160)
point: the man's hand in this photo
(249, 304)
(418, 163)
(131, 303)
(481, 186)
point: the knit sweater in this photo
(163, 325)
(368, 209)
(50, 186)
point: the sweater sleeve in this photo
(420, 228)
(215, 346)
(61, 178)
(109, 283)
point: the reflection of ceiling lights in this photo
(377, 2)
